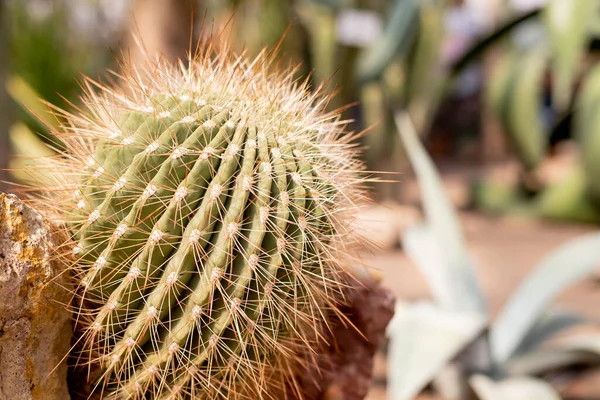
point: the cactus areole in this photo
(209, 208)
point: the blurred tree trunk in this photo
(6, 109)
(164, 28)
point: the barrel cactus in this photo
(209, 208)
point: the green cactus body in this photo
(209, 208)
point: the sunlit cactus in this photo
(209, 206)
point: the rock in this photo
(35, 326)
(344, 372)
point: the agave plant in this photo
(208, 207)
(499, 358)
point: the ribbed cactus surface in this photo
(209, 207)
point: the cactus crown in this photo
(209, 209)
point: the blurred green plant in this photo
(45, 59)
(34, 105)
(403, 70)
(43, 53)
(516, 95)
(488, 359)
(26, 146)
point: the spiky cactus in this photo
(209, 207)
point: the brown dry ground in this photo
(504, 249)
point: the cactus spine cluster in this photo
(209, 207)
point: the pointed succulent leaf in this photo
(552, 323)
(566, 265)
(568, 24)
(398, 37)
(519, 388)
(587, 124)
(561, 353)
(424, 72)
(482, 45)
(24, 95)
(422, 339)
(464, 293)
(516, 98)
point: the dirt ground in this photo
(504, 249)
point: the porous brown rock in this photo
(35, 327)
(344, 371)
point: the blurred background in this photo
(485, 113)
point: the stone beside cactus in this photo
(35, 328)
(209, 206)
